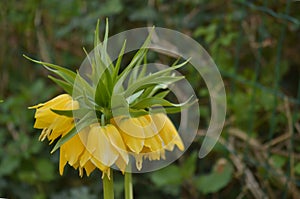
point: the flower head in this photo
(54, 125)
(93, 147)
(93, 127)
(148, 136)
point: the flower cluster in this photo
(100, 147)
(100, 122)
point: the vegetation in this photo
(255, 46)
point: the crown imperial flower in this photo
(99, 123)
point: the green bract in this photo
(144, 93)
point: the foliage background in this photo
(256, 47)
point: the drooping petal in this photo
(148, 126)
(135, 144)
(178, 142)
(85, 157)
(121, 164)
(60, 127)
(40, 124)
(62, 161)
(72, 149)
(155, 155)
(138, 161)
(99, 164)
(130, 126)
(100, 147)
(116, 140)
(89, 167)
(54, 125)
(45, 132)
(168, 133)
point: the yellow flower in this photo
(148, 136)
(93, 147)
(54, 125)
(72, 152)
(168, 132)
(105, 147)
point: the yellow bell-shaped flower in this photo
(72, 152)
(104, 147)
(54, 125)
(148, 136)
(93, 147)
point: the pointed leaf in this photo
(102, 95)
(139, 55)
(118, 64)
(151, 101)
(79, 113)
(64, 73)
(63, 84)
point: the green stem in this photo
(108, 186)
(128, 185)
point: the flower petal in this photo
(89, 167)
(130, 126)
(168, 133)
(62, 161)
(134, 144)
(100, 147)
(72, 149)
(116, 140)
(154, 143)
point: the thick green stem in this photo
(108, 186)
(128, 186)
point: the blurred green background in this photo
(255, 44)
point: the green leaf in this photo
(67, 113)
(217, 179)
(148, 82)
(102, 95)
(151, 101)
(133, 97)
(82, 86)
(72, 113)
(64, 73)
(188, 167)
(143, 70)
(138, 56)
(138, 113)
(105, 57)
(167, 176)
(139, 70)
(162, 94)
(160, 77)
(101, 63)
(63, 84)
(119, 105)
(118, 64)
(148, 92)
(168, 110)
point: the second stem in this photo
(128, 185)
